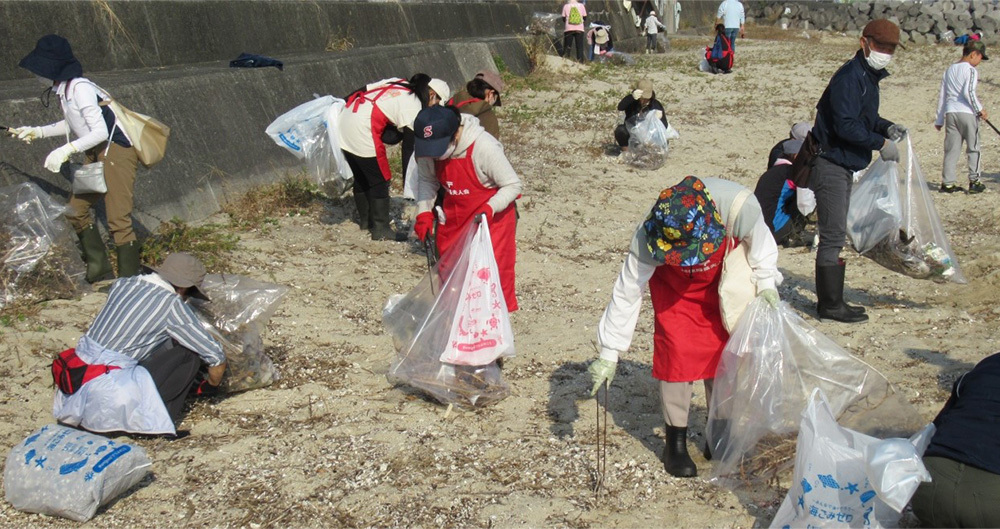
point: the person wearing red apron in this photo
(456, 154)
(676, 250)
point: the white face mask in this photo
(44, 81)
(447, 154)
(877, 60)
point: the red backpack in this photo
(70, 373)
(720, 55)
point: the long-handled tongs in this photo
(602, 441)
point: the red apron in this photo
(689, 335)
(464, 195)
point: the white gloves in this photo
(637, 94)
(55, 159)
(658, 114)
(26, 134)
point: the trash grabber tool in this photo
(991, 126)
(602, 442)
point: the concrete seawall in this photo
(170, 59)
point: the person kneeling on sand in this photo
(678, 250)
(635, 105)
(785, 206)
(151, 346)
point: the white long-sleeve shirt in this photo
(653, 25)
(82, 113)
(732, 14)
(617, 325)
(489, 160)
(958, 91)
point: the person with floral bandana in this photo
(678, 250)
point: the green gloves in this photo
(770, 296)
(601, 370)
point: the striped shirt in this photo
(140, 316)
(958, 91)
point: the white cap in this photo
(441, 88)
(651, 12)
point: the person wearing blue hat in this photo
(97, 136)
(678, 251)
(455, 153)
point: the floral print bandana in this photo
(684, 228)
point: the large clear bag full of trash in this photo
(919, 248)
(452, 327)
(844, 478)
(38, 247)
(62, 471)
(768, 369)
(545, 24)
(876, 211)
(237, 314)
(616, 57)
(648, 141)
(310, 131)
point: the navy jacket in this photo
(848, 126)
(968, 428)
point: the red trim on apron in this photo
(451, 102)
(689, 335)
(379, 121)
(464, 196)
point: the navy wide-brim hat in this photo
(53, 59)
(433, 129)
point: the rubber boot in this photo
(830, 295)
(381, 230)
(361, 202)
(720, 431)
(676, 460)
(128, 259)
(95, 254)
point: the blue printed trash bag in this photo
(62, 471)
(847, 479)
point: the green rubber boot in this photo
(128, 259)
(95, 254)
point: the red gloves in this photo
(423, 225)
(486, 211)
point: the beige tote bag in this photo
(736, 288)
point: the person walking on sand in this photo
(732, 16)
(678, 251)
(100, 138)
(847, 129)
(653, 27)
(959, 112)
(574, 16)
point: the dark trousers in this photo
(622, 135)
(368, 177)
(173, 369)
(958, 496)
(832, 185)
(577, 39)
(651, 41)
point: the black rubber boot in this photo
(361, 202)
(830, 295)
(676, 460)
(128, 259)
(381, 230)
(95, 254)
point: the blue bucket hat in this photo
(433, 129)
(52, 59)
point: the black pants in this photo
(173, 369)
(368, 177)
(622, 135)
(577, 39)
(959, 496)
(832, 185)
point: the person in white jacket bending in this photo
(678, 250)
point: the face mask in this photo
(877, 60)
(43, 81)
(447, 154)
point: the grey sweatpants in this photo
(958, 127)
(675, 399)
(832, 185)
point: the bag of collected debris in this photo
(847, 479)
(876, 210)
(453, 326)
(310, 132)
(648, 141)
(38, 248)
(237, 314)
(545, 24)
(918, 247)
(62, 471)
(769, 367)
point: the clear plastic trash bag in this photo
(847, 479)
(236, 316)
(919, 247)
(768, 369)
(38, 245)
(876, 211)
(648, 142)
(310, 132)
(426, 325)
(62, 471)
(616, 57)
(545, 24)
